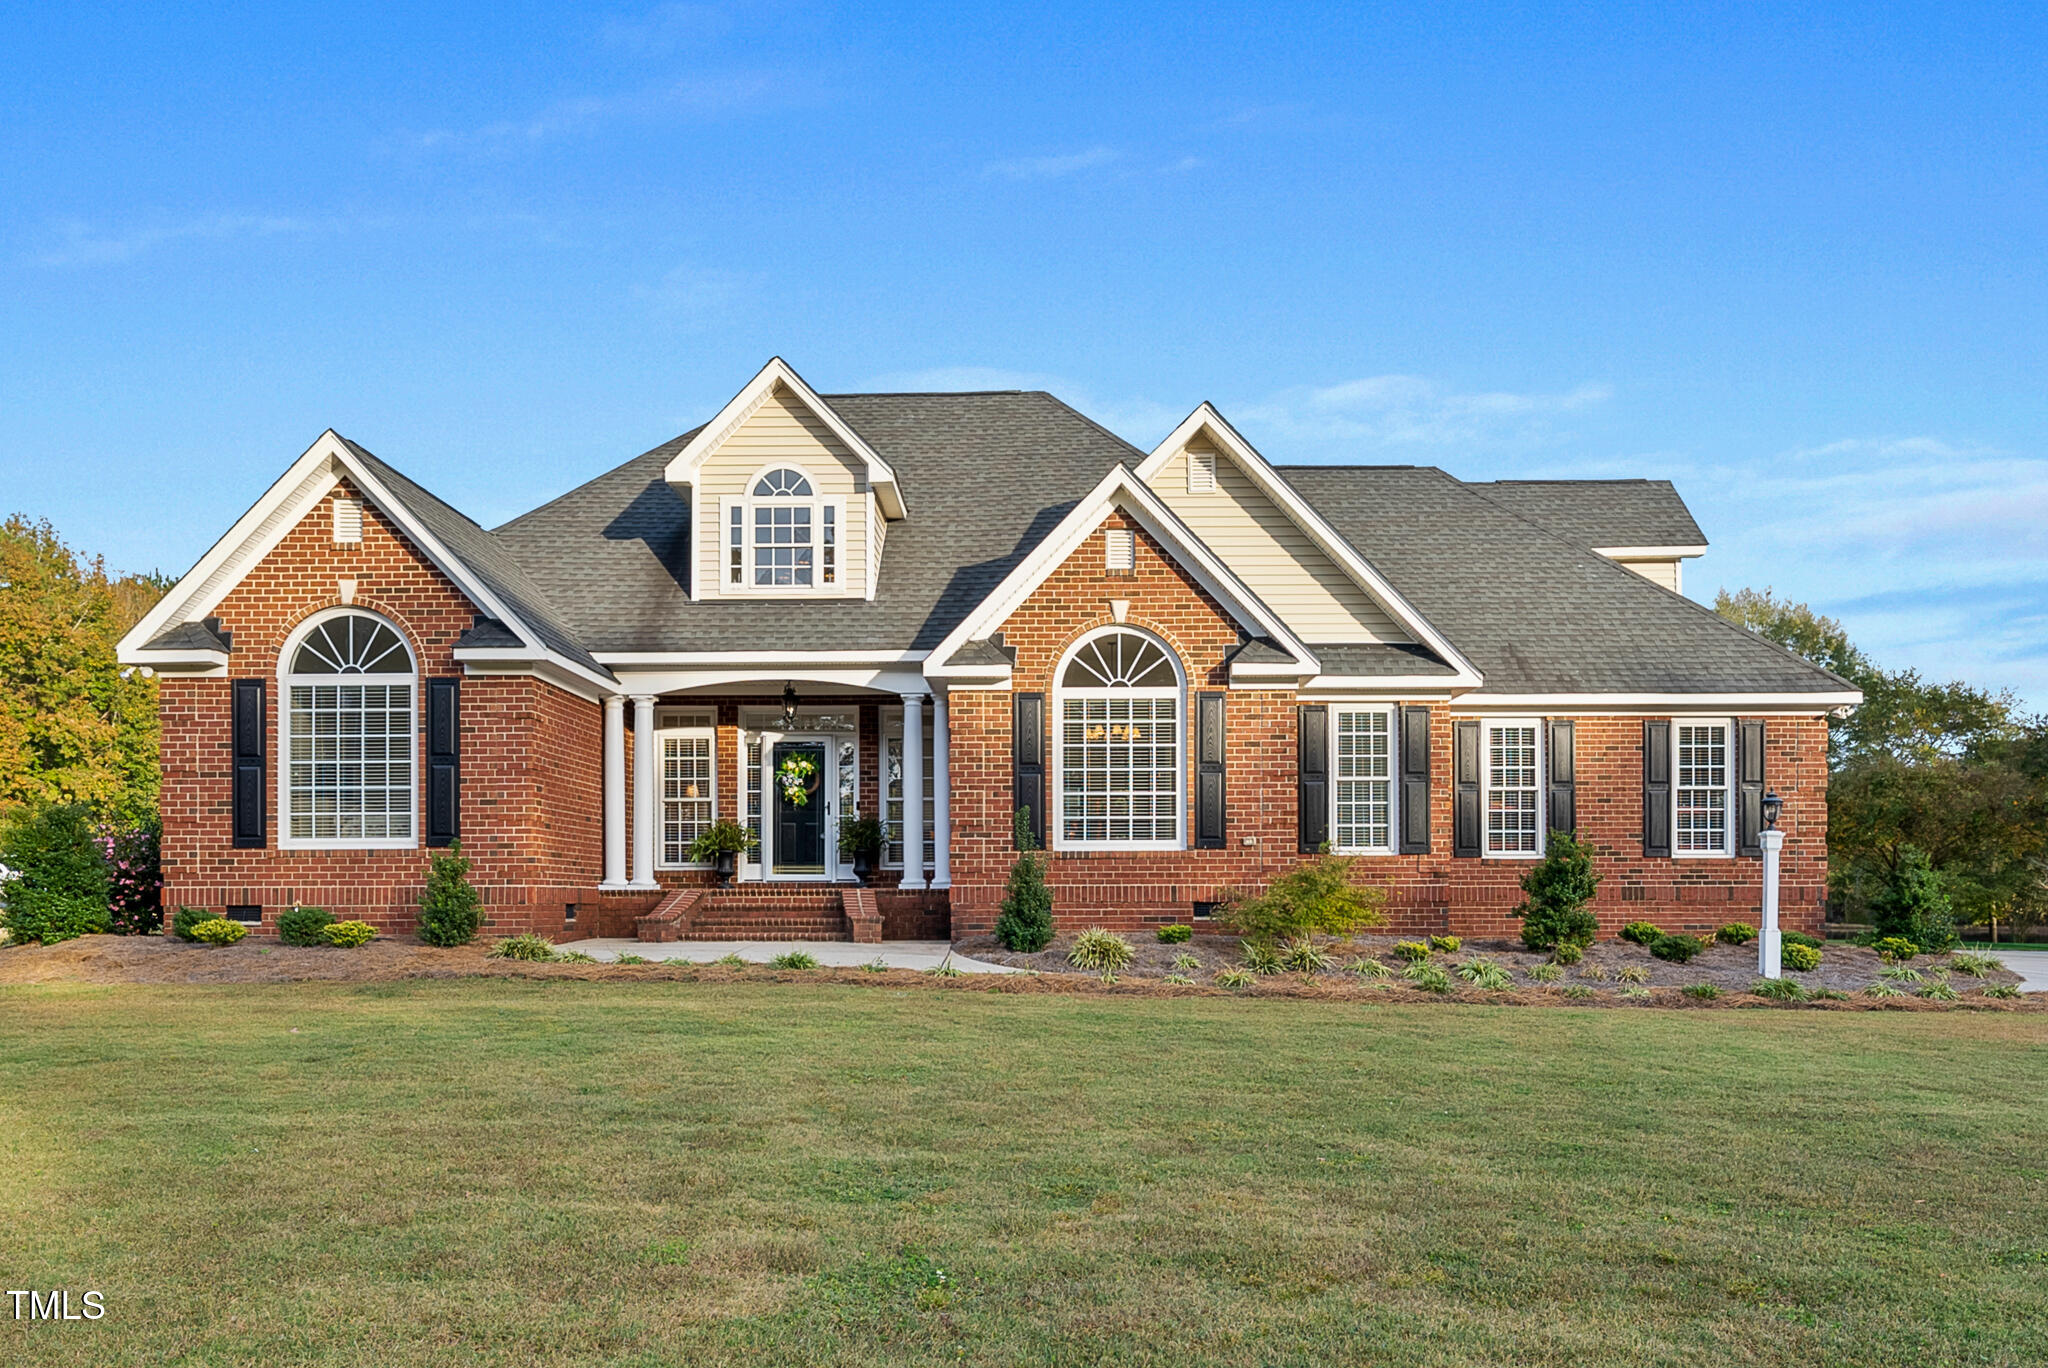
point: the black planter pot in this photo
(863, 864)
(724, 865)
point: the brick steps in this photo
(766, 912)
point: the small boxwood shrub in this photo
(1568, 952)
(186, 919)
(219, 931)
(537, 949)
(1641, 932)
(1735, 933)
(1801, 938)
(451, 909)
(1677, 949)
(304, 925)
(1894, 949)
(1803, 959)
(1412, 951)
(347, 935)
(1446, 944)
(1558, 887)
(1096, 948)
(1176, 933)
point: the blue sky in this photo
(1792, 260)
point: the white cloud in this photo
(709, 96)
(1406, 411)
(1049, 168)
(82, 244)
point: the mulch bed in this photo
(164, 960)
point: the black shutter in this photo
(1414, 781)
(1656, 788)
(1749, 787)
(1564, 806)
(1027, 759)
(1208, 771)
(249, 725)
(444, 761)
(1465, 799)
(1312, 765)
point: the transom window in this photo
(348, 734)
(1700, 793)
(1119, 746)
(1512, 777)
(688, 780)
(1363, 771)
(782, 536)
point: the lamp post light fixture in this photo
(1769, 944)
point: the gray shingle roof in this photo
(1535, 612)
(1379, 658)
(986, 477)
(1600, 513)
(190, 636)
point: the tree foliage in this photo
(451, 909)
(1025, 925)
(1954, 773)
(1559, 888)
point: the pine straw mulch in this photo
(163, 960)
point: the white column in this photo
(615, 791)
(646, 768)
(1768, 945)
(913, 790)
(942, 794)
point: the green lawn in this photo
(526, 1172)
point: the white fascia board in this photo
(683, 466)
(488, 662)
(1262, 474)
(1406, 686)
(767, 659)
(969, 672)
(897, 680)
(1625, 553)
(203, 663)
(1652, 703)
(1120, 488)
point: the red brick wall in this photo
(1432, 892)
(530, 753)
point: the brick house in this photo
(1191, 666)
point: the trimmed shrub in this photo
(59, 886)
(1096, 948)
(1677, 949)
(1802, 959)
(537, 949)
(1641, 932)
(347, 935)
(1568, 952)
(1176, 933)
(304, 925)
(794, 959)
(1912, 901)
(451, 910)
(1558, 887)
(1735, 933)
(36, 914)
(1801, 938)
(1316, 896)
(1446, 944)
(1894, 949)
(1025, 926)
(186, 919)
(1413, 951)
(219, 931)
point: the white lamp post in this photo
(1768, 944)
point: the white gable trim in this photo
(257, 532)
(1121, 490)
(683, 466)
(1262, 474)
(1628, 553)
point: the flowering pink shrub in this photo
(135, 900)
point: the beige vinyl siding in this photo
(1659, 572)
(1273, 556)
(783, 431)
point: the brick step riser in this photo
(706, 928)
(778, 936)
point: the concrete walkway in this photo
(833, 954)
(2030, 965)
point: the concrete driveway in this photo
(834, 954)
(2030, 965)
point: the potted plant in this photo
(720, 844)
(861, 837)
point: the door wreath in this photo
(797, 776)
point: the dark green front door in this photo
(799, 816)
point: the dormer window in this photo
(782, 536)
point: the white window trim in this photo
(708, 730)
(281, 761)
(817, 501)
(1393, 715)
(1060, 694)
(1486, 727)
(1728, 809)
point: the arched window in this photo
(347, 734)
(782, 536)
(1117, 696)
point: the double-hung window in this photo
(782, 535)
(1118, 758)
(1362, 770)
(1700, 786)
(1511, 784)
(689, 786)
(347, 727)
(892, 790)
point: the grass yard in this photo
(550, 1172)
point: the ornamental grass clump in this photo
(1883, 990)
(1545, 973)
(1633, 973)
(347, 935)
(1185, 960)
(1316, 897)
(219, 931)
(1973, 965)
(1096, 948)
(794, 959)
(1485, 974)
(574, 957)
(1369, 969)
(1940, 990)
(1703, 992)
(2000, 990)
(1779, 990)
(1430, 978)
(451, 909)
(298, 925)
(1261, 959)
(1237, 980)
(1302, 956)
(1558, 888)
(1177, 980)
(1899, 973)
(530, 948)
(1025, 926)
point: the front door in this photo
(798, 780)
